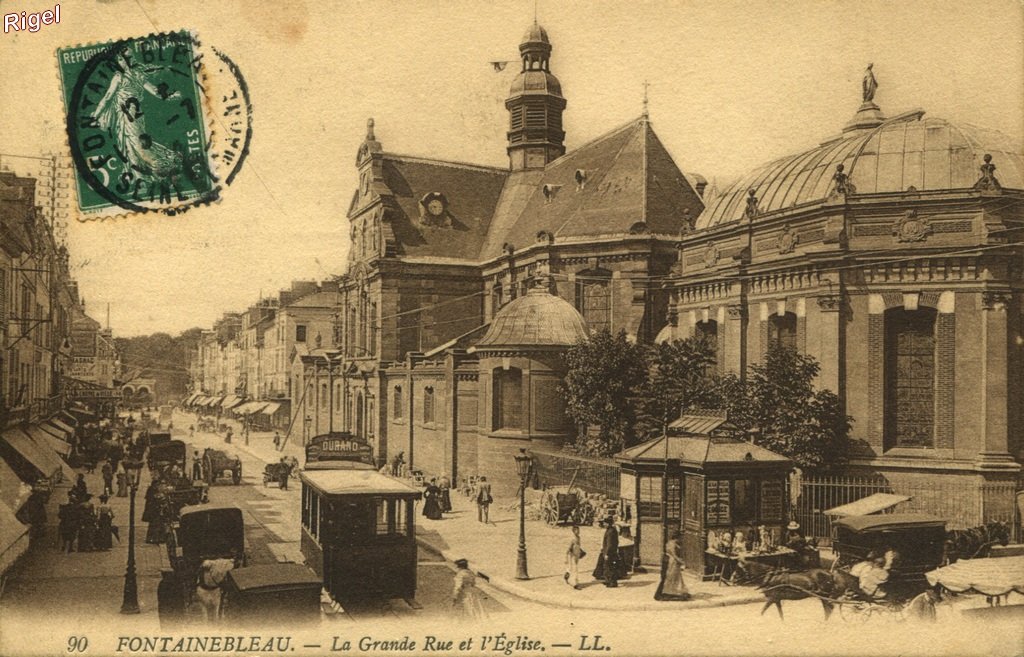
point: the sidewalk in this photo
(491, 550)
(88, 585)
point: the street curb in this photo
(520, 591)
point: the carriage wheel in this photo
(855, 612)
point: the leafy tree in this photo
(678, 379)
(604, 373)
(779, 402)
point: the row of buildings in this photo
(53, 357)
(891, 252)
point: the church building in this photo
(888, 253)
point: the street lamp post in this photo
(130, 603)
(523, 464)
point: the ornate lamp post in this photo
(524, 462)
(130, 604)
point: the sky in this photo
(732, 85)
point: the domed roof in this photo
(535, 34)
(905, 151)
(535, 81)
(538, 319)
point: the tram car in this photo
(358, 525)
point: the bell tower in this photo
(535, 105)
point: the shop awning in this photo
(271, 408)
(868, 505)
(41, 457)
(43, 438)
(242, 409)
(230, 401)
(13, 491)
(63, 425)
(988, 576)
(56, 432)
(13, 538)
(212, 401)
(68, 419)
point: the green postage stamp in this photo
(140, 122)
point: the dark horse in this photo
(975, 542)
(780, 584)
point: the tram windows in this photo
(390, 517)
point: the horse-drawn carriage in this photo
(217, 462)
(880, 567)
(278, 471)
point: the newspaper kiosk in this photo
(358, 526)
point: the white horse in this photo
(212, 573)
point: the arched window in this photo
(782, 331)
(708, 331)
(593, 298)
(428, 405)
(398, 405)
(909, 377)
(508, 398)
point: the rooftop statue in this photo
(870, 84)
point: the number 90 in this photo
(78, 643)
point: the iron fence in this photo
(593, 475)
(961, 504)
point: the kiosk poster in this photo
(518, 328)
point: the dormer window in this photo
(434, 209)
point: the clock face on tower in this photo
(435, 207)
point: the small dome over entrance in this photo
(538, 320)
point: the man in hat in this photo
(794, 538)
(483, 500)
(608, 565)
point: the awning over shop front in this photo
(230, 401)
(191, 398)
(13, 538)
(57, 432)
(271, 408)
(43, 438)
(988, 576)
(868, 505)
(13, 491)
(41, 457)
(212, 401)
(62, 425)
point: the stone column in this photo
(734, 355)
(994, 372)
(829, 319)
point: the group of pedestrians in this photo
(82, 526)
(610, 566)
(437, 498)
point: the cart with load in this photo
(282, 592)
(275, 472)
(217, 462)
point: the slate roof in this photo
(472, 193)
(630, 177)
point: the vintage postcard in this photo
(513, 328)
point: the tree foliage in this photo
(779, 403)
(604, 373)
(678, 379)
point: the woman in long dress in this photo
(431, 501)
(672, 586)
(466, 598)
(105, 525)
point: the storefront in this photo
(702, 479)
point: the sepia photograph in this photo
(562, 327)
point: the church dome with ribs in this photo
(907, 151)
(535, 320)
